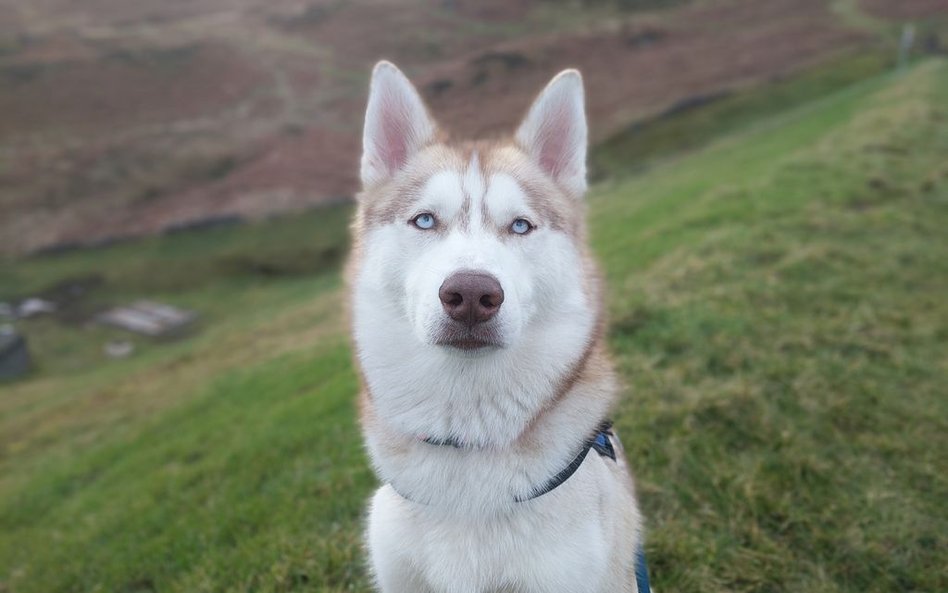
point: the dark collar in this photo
(601, 441)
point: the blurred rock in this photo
(119, 349)
(14, 355)
(149, 318)
(35, 306)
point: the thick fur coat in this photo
(478, 328)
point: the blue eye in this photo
(424, 221)
(521, 226)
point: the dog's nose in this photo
(471, 297)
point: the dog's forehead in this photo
(474, 191)
(479, 180)
(450, 190)
(505, 199)
(444, 192)
(515, 183)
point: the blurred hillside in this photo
(130, 117)
(778, 320)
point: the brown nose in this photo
(471, 297)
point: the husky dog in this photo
(478, 328)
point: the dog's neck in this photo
(471, 480)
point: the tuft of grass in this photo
(778, 317)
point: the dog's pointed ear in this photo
(554, 132)
(397, 124)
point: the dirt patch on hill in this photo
(200, 110)
(632, 70)
(124, 88)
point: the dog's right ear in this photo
(397, 125)
(554, 131)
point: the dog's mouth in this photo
(469, 339)
(468, 344)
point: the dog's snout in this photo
(471, 297)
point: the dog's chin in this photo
(460, 339)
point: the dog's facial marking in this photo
(443, 197)
(504, 202)
(473, 186)
(559, 210)
(475, 171)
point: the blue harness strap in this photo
(601, 443)
(641, 572)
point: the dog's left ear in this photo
(397, 125)
(554, 132)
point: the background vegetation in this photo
(778, 315)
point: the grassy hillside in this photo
(778, 317)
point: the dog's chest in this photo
(561, 546)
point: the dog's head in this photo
(473, 243)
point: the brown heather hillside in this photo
(128, 117)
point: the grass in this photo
(301, 244)
(778, 317)
(693, 125)
(778, 320)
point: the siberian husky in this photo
(478, 328)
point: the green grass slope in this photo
(778, 316)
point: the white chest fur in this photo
(568, 540)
